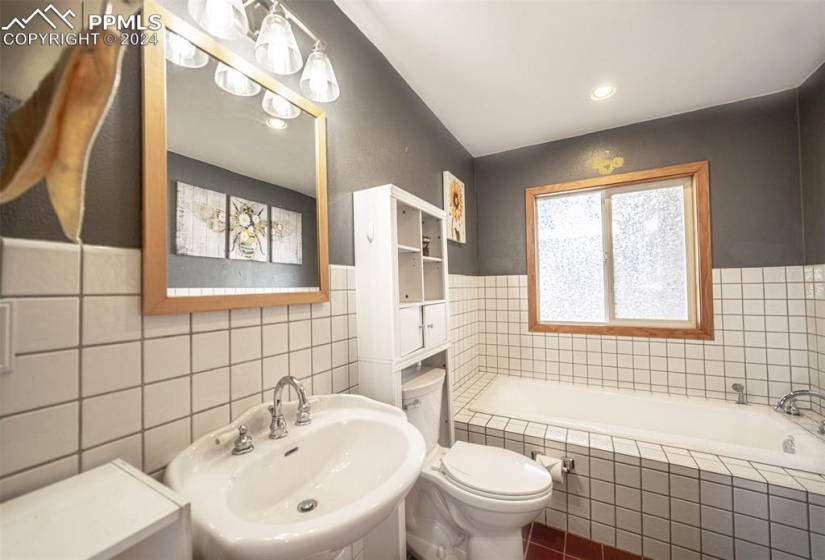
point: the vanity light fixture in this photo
(276, 48)
(235, 82)
(602, 92)
(279, 107)
(276, 124)
(318, 80)
(225, 19)
(183, 53)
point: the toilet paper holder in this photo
(568, 464)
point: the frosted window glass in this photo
(649, 260)
(571, 258)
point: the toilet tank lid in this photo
(422, 383)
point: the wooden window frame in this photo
(701, 260)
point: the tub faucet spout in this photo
(787, 403)
(741, 398)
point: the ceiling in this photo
(501, 75)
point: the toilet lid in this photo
(495, 471)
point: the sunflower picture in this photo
(454, 204)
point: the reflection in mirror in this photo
(241, 193)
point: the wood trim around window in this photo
(699, 175)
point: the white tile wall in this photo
(95, 379)
(814, 285)
(465, 294)
(762, 340)
(770, 335)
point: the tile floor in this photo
(545, 543)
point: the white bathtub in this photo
(748, 432)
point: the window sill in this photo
(701, 332)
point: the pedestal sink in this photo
(303, 497)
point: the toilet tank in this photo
(421, 400)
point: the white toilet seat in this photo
(485, 499)
(495, 473)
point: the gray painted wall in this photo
(186, 271)
(752, 147)
(380, 132)
(812, 156)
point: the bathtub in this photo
(752, 432)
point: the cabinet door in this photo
(411, 337)
(435, 324)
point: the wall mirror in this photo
(235, 205)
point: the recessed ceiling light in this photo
(602, 92)
(276, 124)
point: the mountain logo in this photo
(43, 14)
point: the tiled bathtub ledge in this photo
(660, 501)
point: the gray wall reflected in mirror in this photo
(241, 191)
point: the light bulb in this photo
(279, 107)
(276, 124)
(276, 48)
(225, 19)
(183, 53)
(235, 82)
(318, 79)
(602, 92)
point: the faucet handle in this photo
(302, 416)
(791, 408)
(243, 443)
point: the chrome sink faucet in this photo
(277, 428)
(787, 403)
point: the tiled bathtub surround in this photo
(94, 379)
(763, 340)
(815, 304)
(662, 502)
(465, 301)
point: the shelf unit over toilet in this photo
(402, 296)
(402, 313)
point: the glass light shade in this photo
(318, 80)
(183, 53)
(279, 107)
(276, 48)
(225, 19)
(234, 82)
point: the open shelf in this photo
(420, 303)
(408, 249)
(431, 227)
(408, 226)
(410, 289)
(431, 259)
(433, 281)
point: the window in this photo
(624, 255)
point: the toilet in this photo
(470, 501)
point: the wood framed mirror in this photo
(235, 186)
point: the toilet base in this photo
(425, 550)
(501, 546)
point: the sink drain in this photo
(305, 506)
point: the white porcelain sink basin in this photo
(357, 460)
